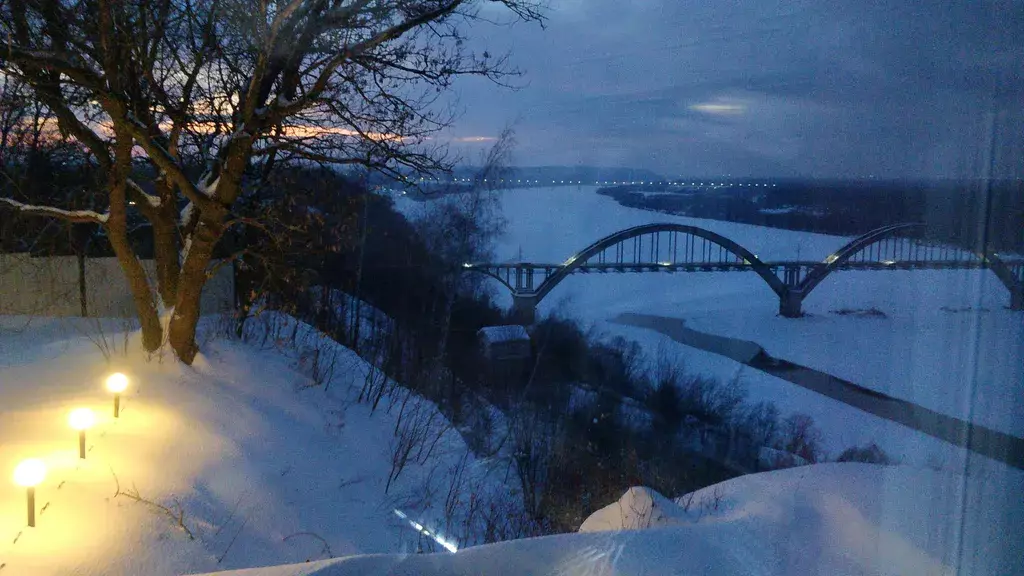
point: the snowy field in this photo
(267, 469)
(947, 341)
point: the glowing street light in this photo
(117, 383)
(81, 419)
(29, 473)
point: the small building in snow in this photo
(505, 342)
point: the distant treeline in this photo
(971, 214)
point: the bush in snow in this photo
(761, 423)
(870, 454)
(665, 401)
(801, 437)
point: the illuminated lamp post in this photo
(117, 383)
(81, 419)
(29, 474)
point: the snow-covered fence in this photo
(55, 285)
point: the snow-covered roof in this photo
(513, 333)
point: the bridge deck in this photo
(734, 266)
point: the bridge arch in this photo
(842, 256)
(581, 257)
(791, 291)
(490, 274)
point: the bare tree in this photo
(461, 227)
(17, 129)
(533, 437)
(211, 95)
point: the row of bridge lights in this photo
(606, 182)
(30, 473)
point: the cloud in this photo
(474, 139)
(817, 87)
(718, 108)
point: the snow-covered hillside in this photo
(260, 455)
(266, 467)
(946, 341)
(836, 519)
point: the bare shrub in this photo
(473, 508)
(710, 503)
(110, 343)
(665, 399)
(318, 360)
(761, 423)
(870, 453)
(686, 502)
(376, 384)
(533, 437)
(800, 436)
(709, 401)
(418, 429)
(176, 512)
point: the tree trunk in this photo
(165, 252)
(356, 322)
(117, 233)
(149, 319)
(182, 328)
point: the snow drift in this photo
(819, 519)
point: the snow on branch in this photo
(163, 159)
(148, 198)
(78, 216)
(70, 65)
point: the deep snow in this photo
(836, 519)
(267, 467)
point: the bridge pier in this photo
(790, 304)
(524, 309)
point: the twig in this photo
(230, 516)
(326, 549)
(177, 514)
(233, 538)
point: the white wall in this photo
(49, 286)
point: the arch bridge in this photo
(670, 247)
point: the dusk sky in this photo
(760, 88)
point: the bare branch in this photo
(350, 52)
(177, 513)
(76, 216)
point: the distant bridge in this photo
(680, 248)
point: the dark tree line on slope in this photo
(589, 419)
